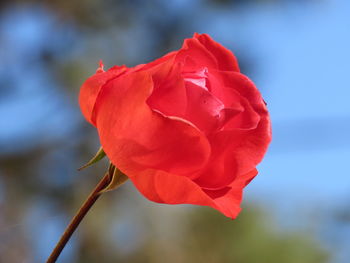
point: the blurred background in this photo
(296, 210)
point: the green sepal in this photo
(98, 156)
(117, 179)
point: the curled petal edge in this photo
(162, 187)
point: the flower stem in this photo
(84, 209)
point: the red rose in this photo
(187, 128)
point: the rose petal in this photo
(228, 199)
(222, 166)
(253, 145)
(244, 86)
(168, 57)
(92, 86)
(198, 77)
(194, 55)
(203, 109)
(188, 101)
(169, 94)
(238, 113)
(162, 187)
(247, 119)
(136, 138)
(224, 57)
(234, 152)
(218, 86)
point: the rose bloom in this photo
(187, 128)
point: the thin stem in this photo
(84, 209)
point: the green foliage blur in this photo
(252, 237)
(208, 237)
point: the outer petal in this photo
(169, 95)
(234, 152)
(253, 145)
(165, 58)
(91, 88)
(244, 86)
(162, 187)
(238, 91)
(229, 198)
(225, 58)
(222, 167)
(194, 56)
(136, 138)
(246, 120)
